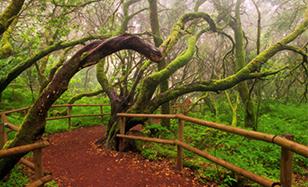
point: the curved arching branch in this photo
(25, 64)
(198, 4)
(34, 123)
(297, 50)
(172, 39)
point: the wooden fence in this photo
(285, 142)
(40, 176)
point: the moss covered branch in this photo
(177, 29)
(103, 80)
(9, 14)
(6, 48)
(151, 82)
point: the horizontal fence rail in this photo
(287, 146)
(279, 140)
(23, 149)
(68, 115)
(54, 106)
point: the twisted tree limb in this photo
(22, 66)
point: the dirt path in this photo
(75, 161)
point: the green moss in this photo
(175, 34)
(6, 48)
(7, 16)
(151, 82)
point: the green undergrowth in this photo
(61, 125)
(256, 156)
(16, 179)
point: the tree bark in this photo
(240, 62)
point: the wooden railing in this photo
(68, 112)
(40, 176)
(69, 115)
(287, 146)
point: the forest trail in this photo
(74, 160)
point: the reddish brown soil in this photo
(74, 160)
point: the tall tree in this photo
(240, 62)
(165, 108)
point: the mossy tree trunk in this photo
(164, 85)
(240, 62)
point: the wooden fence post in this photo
(69, 112)
(38, 165)
(122, 122)
(101, 111)
(286, 165)
(2, 134)
(179, 160)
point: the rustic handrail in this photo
(281, 141)
(147, 139)
(11, 126)
(84, 105)
(170, 116)
(261, 180)
(288, 146)
(72, 116)
(15, 110)
(23, 149)
(40, 181)
(68, 116)
(53, 106)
